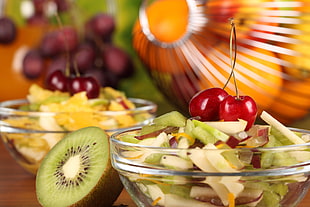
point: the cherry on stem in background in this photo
(58, 41)
(88, 84)
(233, 108)
(39, 6)
(84, 57)
(101, 25)
(68, 39)
(205, 104)
(50, 45)
(33, 64)
(58, 63)
(37, 19)
(7, 30)
(62, 5)
(117, 61)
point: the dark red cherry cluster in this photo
(214, 104)
(88, 50)
(90, 53)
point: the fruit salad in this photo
(33, 126)
(77, 111)
(177, 153)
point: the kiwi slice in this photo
(77, 172)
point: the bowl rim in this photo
(5, 110)
(284, 147)
(147, 106)
(125, 166)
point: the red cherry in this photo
(205, 104)
(233, 108)
(88, 84)
(8, 31)
(57, 81)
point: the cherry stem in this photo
(67, 71)
(76, 70)
(233, 55)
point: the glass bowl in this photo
(157, 176)
(28, 136)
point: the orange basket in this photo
(184, 45)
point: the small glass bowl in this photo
(28, 136)
(281, 180)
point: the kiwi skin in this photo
(102, 194)
(96, 197)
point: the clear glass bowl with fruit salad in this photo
(30, 127)
(179, 161)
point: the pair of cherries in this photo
(214, 104)
(57, 80)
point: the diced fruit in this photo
(175, 162)
(156, 194)
(172, 200)
(219, 188)
(213, 147)
(49, 123)
(213, 132)
(217, 160)
(199, 158)
(279, 126)
(172, 118)
(229, 127)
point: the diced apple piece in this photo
(52, 138)
(175, 162)
(183, 144)
(300, 156)
(172, 200)
(259, 136)
(199, 191)
(161, 140)
(213, 132)
(156, 194)
(232, 183)
(228, 127)
(175, 180)
(249, 197)
(147, 142)
(49, 123)
(219, 188)
(200, 159)
(279, 126)
(217, 160)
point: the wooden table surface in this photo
(17, 187)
